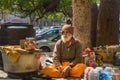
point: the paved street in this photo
(12, 77)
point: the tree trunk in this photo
(32, 18)
(108, 23)
(94, 16)
(118, 1)
(82, 21)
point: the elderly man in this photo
(67, 56)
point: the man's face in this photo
(66, 36)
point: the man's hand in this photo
(65, 72)
(59, 68)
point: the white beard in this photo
(66, 38)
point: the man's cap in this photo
(68, 27)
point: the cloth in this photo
(68, 28)
(71, 54)
(76, 71)
(12, 53)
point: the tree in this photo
(65, 7)
(27, 7)
(37, 9)
(82, 21)
(108, 23)
(94, 16)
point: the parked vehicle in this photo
(48, 33)
(37, 29)
(46, 28)
(12, 33)
(48, 44)
(43, 30)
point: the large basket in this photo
(25, 63)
